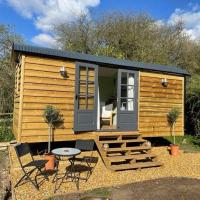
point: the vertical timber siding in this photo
(155, 101)
(43, 85)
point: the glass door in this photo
(85, 116)
(127, 99)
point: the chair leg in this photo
(26, 176)
(43, 174)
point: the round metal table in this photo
(69, 152)
(65, 152)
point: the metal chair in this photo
(83, 163)
(24, 150)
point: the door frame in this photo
(76, 110)
(136, 94)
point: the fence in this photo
(6, 120)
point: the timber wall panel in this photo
(43, 85)
(156, 101)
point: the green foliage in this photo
(173, 115)
(52, 115)
(193, 106)
(7, 71)
(6, 133)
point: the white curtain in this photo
(130, 91)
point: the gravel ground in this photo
(4, 175)
(184, 165)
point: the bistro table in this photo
(71, 153)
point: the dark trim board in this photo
(100, 60)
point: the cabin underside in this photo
(136, 99)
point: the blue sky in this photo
(33, 19)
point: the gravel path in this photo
(185, 165)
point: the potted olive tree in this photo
(53, 119)
(172, 117)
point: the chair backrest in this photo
(85, 145)
(22, 149)
(107, 110)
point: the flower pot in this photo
(174, 150)
(50, 165)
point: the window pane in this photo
(82, 88)
(123, 104)
(130, 104)
(123, 91)
(130, 92)
(81, 103)
(82, 73)
(91, 74)
(124, 78)
(90, 103)
(131, 79)
(90, 89)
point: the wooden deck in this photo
(125, 150)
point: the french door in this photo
(127, 117)
(85, 112)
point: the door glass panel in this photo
(82, 88)
(90, 104)
(123, 91)
(91, 89)
(130, 92)
(91, 74)
(124, 78)
(82, 102)
(131, 79)
(123, 104)
(83, 74)
(130, 105)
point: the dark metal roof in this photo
(96, 59)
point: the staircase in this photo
(122, 151)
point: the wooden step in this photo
(133, 133)
(135, 165)
(122, 141)
(130, 157)
(124, 149)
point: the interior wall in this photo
(107, 88)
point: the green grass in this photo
(188, 143)
(6, 133)
(99, 192)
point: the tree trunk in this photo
(173, 133)
(49, 139)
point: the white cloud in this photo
(191, 20)
(44, 39)
(46, 13)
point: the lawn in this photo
(188, 143)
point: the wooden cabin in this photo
(134, 96)
(115, 102)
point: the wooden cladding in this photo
(38, 83)
(43, 85)
(155, 101)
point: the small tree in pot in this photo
(52, 118)
(172, 117)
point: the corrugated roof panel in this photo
(96, 59)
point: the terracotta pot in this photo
(50, 165)
(174, 150)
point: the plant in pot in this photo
(172, 117)
(53, 119)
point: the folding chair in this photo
(83, 163)
(24, 150)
